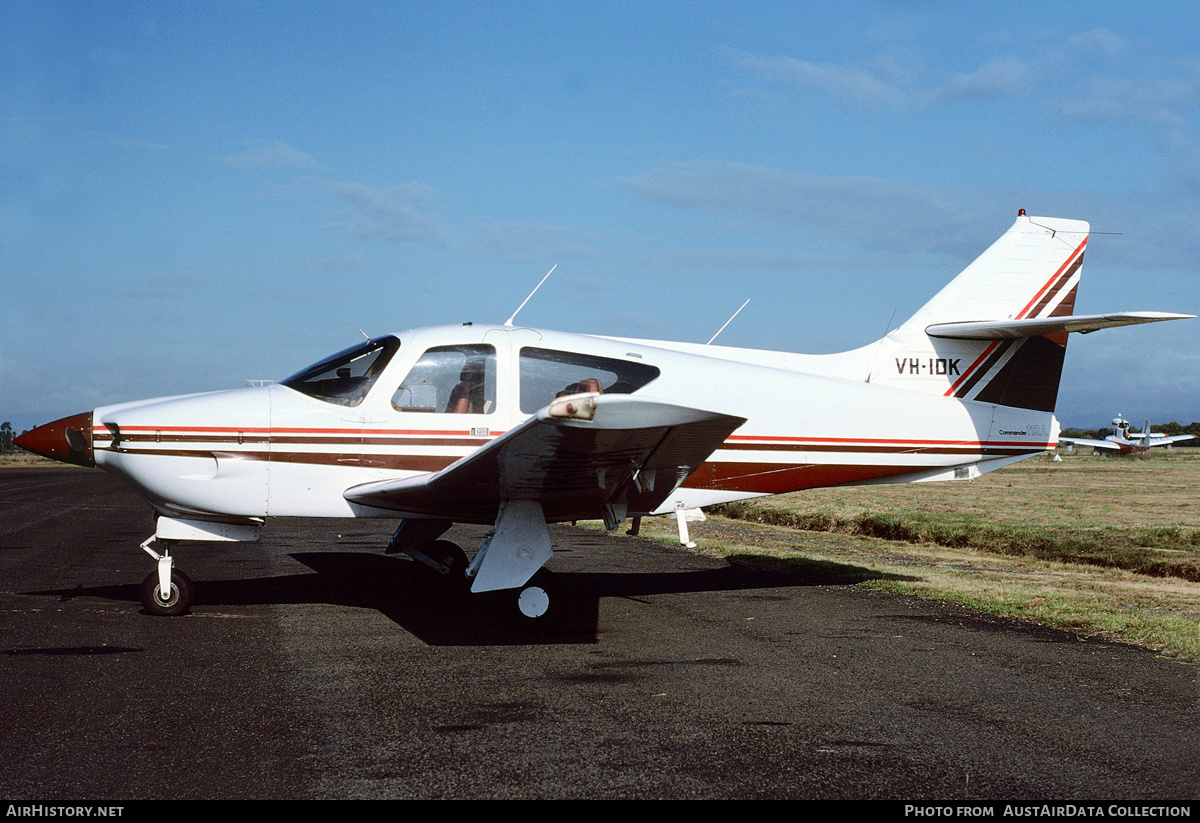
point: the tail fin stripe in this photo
(1058, 288)
(970, 369)
(1054, 286)
(965, 388)
(1053, 279)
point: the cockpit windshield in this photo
(346, 377)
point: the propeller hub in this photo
(68, 439)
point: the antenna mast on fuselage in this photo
(510, 320)
(730, 320)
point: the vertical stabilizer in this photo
(1031, 272)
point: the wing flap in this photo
(633, 452)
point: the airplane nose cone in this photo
(68, 440)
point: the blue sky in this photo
(196, 194)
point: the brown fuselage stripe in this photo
(342, 457)
(405, 462)
(763, 478)
(815, 449)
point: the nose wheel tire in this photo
(179, 599)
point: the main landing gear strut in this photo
(510, 559)
(445, 564)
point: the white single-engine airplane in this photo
(1123, 441)
(516, 427)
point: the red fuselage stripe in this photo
(289, 430)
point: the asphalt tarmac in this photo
(314, 666)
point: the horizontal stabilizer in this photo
(1036, 327)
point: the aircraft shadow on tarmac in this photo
(442, 614)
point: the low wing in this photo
(1157, 440)
(1112, 445)
(579, 456)
(1108, 445)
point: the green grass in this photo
(1099, 546)
(1160, 551)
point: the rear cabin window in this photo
(346, 377)
(547, 374)
(450, 380)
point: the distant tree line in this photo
(7, 435)
(1166, 428)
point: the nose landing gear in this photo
(180, 594)
(166, 591)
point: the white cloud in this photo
(892, 79)
(411, 212)
(856, 87)
(998, 77)
(875, 213)
(138, 144)
(1137, 100)
(399, 213)
(271, 155)
(1101, 42)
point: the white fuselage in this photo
(275, 451)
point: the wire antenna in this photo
(510, 320)
(727, 322)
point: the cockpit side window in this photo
(547, 374)
(450, 380)
(346, 377)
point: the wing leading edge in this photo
(583, 457)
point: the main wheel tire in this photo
(183, 592)
(538, 602)
(533, 602)
(452, 557)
